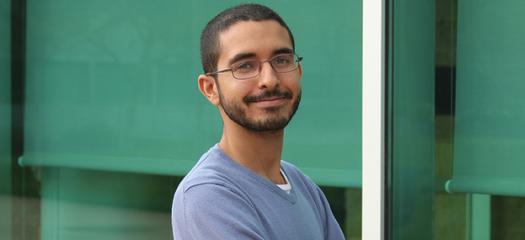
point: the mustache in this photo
(276, 93)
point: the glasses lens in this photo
(246, 69)
(284, 63)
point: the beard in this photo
(274, 118)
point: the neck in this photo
(258, 151)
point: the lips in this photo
(269, 99)
(270, 102)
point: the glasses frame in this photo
(297, 60)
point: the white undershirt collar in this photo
(285, 187)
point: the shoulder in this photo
(209, 170)
(211, 180)
(208, 200)
(213, 197)
(206, 182)
(213, 209)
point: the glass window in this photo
(101, 116)
(455, 126)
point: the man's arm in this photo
(332, 229)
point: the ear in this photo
(300, 71)
(209, 89)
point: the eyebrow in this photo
(239, 57)
(282, 50)
(242, 56)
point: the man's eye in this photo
(282, 60)
(245, 66)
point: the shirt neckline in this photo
(287, 187)
(290, 197)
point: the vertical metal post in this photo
(479, 213)
(25, 212)
(18, 36)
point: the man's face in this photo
(266, 102)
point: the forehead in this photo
(260, 38)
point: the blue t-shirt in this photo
(221, 199)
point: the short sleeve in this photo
(211, 211)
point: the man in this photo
(240, 188)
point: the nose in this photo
(268, 77)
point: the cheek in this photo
(235, 92)
(295, 87)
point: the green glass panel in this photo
(82, 204)
(112, 102)
(489, 142)
(411, 119)
(112, 86)
(5, 120)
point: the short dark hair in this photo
(210, 48)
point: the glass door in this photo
(455, 108)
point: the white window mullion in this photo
(373, 120)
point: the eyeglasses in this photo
(250, 68)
